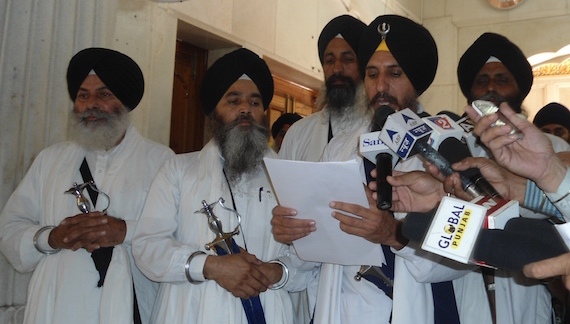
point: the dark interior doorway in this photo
(187, 119)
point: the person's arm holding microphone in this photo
(531, 156)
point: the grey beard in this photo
(242, 149)
(99, 136)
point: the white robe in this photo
(519, 300)
(63, 287)
(414, 269)
(170, 231)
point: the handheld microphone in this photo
(407, 134)
(443, 127)
(523, 241)
(469, 138)
(454, 151)
(374, 150)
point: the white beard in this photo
(101, 135)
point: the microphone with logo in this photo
(407, 134)
(458, 237)
(468, 138)
(375, 151)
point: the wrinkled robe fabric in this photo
(170, 230)
(63, 287)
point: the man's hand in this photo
(273, 271)
(558, 266)
(89, 231)
(376, 225)
(286, 228)
(239, 273)
(415, 191)
(508, 184)
(530, 157)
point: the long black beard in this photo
(340, 97)
(242, 148)
(101, 135)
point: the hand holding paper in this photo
(309, 187)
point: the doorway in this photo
(187, 119)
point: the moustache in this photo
(493, 96)
(339, 77)
(93, 113)
(243, 117)
(384, 96)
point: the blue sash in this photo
(252, 305)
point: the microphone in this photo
(500, 209)
(443, 127)
(469, 138)
(374, 150)
(407, 134)
(454, 151)
(523, 241)
(512, 250)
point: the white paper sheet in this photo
(309, 187)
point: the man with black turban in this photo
(83, 270)
(341, 101)
(398, 60)
(554, 118)
(495, 69)
(201, 285)
(342, 109)
(281, 126)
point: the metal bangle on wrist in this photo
(187, 267)
(36, 237)
(285, 272)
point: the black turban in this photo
(227, 70)
(347, 26)
(117, 71)
(509, 54)
(553, 113)
(285, 119)
(411, 44)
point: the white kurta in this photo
(414, 269)
(63, 287)
(306, 139)
(170, 230)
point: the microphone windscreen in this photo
(380, 116)
(416, 225)
(537, 230)
(511, 250)
(453, 150)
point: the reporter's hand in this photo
(415, 191)
(530, 157)
(558, 266)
